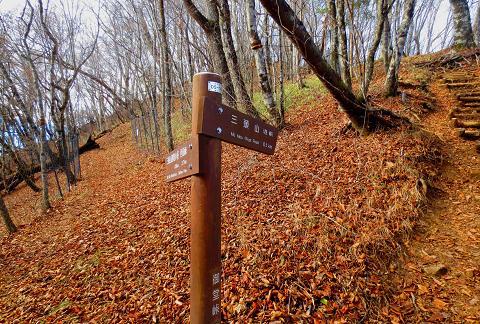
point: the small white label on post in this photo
(214, 87)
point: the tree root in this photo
(377, 120)
(383, 119)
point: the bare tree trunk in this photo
(7, 220)
(42, 121)
(344, 67)
(296, 57)
(332, 18)
(463, 36)
(43, 162)
(211, 28)
(386, 43)
(245, 103)
(391, 82)
(268, 55)
(382, 13)
(476, 26)
(261, 63)
(281, 77)
(191, 70)
(167, 112)
(57, 181)
(281, 12)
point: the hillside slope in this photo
(313, 232)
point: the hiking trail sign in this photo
(183, 161)
(200, 158)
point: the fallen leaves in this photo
(439, 304)
(306, 233)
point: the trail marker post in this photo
(200, 157)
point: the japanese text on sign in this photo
(182, 161)
(237, 128)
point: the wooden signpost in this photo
(200, 157)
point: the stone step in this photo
(459, 123)
(469, 99)
(462, 85)
(468, 94)
(468, 110)
(457, 73)
(466, 116)
(471, 104)
(470, 135)
(459, 79)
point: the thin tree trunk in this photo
(42, 121)
(261, 63)
(57, 181)
(7, 220)
(43, 162)
(386, 44)
(382, 12)
(281, 77)
(244, 100)
(191, 69)
(296, 58)
(268, 54)
(167, 112)
(332, 14)
(391, 82)
(342, 35)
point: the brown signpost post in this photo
(200, 157)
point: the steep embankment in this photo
(440, 279)
(312, 232)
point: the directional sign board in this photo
(237, 128)
(183, 161)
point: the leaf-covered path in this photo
(441, 276)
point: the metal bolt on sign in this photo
(200, 158)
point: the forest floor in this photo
(332, 226)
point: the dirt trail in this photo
(442, 274)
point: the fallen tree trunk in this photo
(14, 180)
(89, 145)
